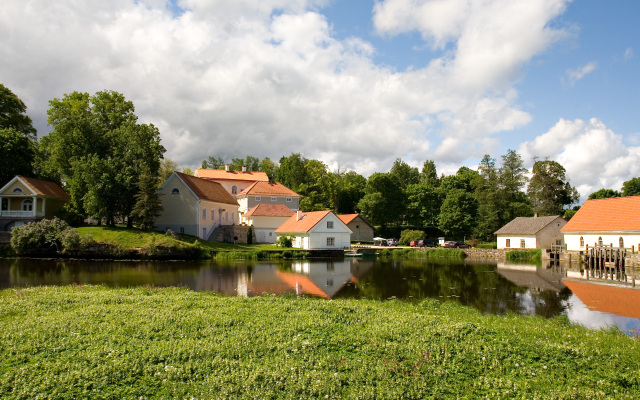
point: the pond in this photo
(490, 287)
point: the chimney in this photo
(244, 168)
(226, 167)
(298, 215)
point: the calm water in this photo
(489, 287)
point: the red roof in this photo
(207, 190)
(221, 174)
(45, 188)
(606, 298)
(269, 189)
(304, 224)
(301, 281)
(346, 218)
(270, 210)
(614, 214)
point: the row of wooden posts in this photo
(606, 262)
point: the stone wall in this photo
(226, 233)
(492, 254)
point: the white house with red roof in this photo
(267, 193)
(316, 230)
(612, 222)
(234, 182)
(265, 218)
(195, 206)
(362, 229)
(26, 199)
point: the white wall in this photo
(591, 238)
(529, 241)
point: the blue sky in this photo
(356, 84)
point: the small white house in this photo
(265, 219)
(531, 233)
(611, 222)
(316, 230)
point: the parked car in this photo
(429, 243)
(416, 243)
(379, 241)
(456, 245)
(392, 242)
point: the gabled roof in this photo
(269, 189)
(614, 214)
(41, 187)
(270, 210)
(207, 190)
(607, 298)
(221, 174)
(347, 218)
(526, 225)
(307, 221)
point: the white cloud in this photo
(593, 155)
(236, 77)
(574, 75)
(628, 53)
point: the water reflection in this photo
(489, 287)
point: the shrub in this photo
(47, 235)
(284, 241)
(250, 235)
(531, 254)
(408, 235)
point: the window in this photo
(331, 241)
(258, 198)
(181, 230)
(621, 241)
(289, 200)
(234, 190)
(329, 224)
(330, 266)
(5, 204)
(274, 199)
(16, 190)
(213, 214)
(581, 241)
(204, 213)
(600, 241)
(522, 244)
(329, 282)
(27, 205)
(175, 191)
(508, 243)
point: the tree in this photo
(604, 194)
(291, 172)
(148, 204)
(213, 163)
(384, 200)
(423, 204)
(350, 191)
(100, 151)
(17, 154)
(167, 167)
(458, 214)
(549, 189)
(268, 167)
(429, 175)
(13, 114)
(487, 194)
(631, 187)
(404, 174)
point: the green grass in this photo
(95, 342)
(423, 253)
(531, 254)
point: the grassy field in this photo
(95, 342)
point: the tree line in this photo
(111, 166)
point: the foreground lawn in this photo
(96, 342)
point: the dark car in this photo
(429, 243)
(457, 245)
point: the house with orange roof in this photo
(195, 206)
(234, 182)
(316, 230)
(361, 228)
(26, 200)
(531, 233)
(269, 192)
(265, 218)
(612, 222)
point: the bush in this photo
(250, 235)
(531, 254)
(284, 241)
(47, 235)
(408, 235)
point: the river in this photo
(490, 287)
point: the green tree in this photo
(512, 176)
(465, 179)
(631, 187)
(487, 194)
(429, 175)
(213, 163)
(458, 214)
(148, 204)
(404, 174)
(388, 205)
(17, 154)
(13, 114)
(423, 205)
(549, 189)
(604, 194)
(291, 172)
(350, 191)
(167, 167)
(269, 167)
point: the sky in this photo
(354, 83)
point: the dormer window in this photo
(258, 198)
(234, 190)
(329, 224)
(274, 199)
(17, 190)
(175, 191)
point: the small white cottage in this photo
(316, 230)
(531, 233)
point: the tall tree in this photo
(213, 163)
(17, 154)
(384, 200)
(549, 189)
(487, 194)
(404, 173)
(631, 187)
(512, 177)
(350, 191)
(148, 205)
(604, 194)
(167, 167)
(458, 214)
(291, 171)
(423, 204)
(269, 167)
(429, 175)
(13, 113)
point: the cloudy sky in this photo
(355, 83)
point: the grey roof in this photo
(526, 225)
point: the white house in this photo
(531, 233)
(195, 206)
(265, 219)
(316, 230)
(270, 193)
(612, 222)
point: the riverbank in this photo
(73, 342)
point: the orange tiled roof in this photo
(269, 189)
(346, 218)
(221, 174)
(207, 190)
(270, 210)
(606, 298)
(305, 224)
(307, 285)
(45, 188)
(614, 214)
